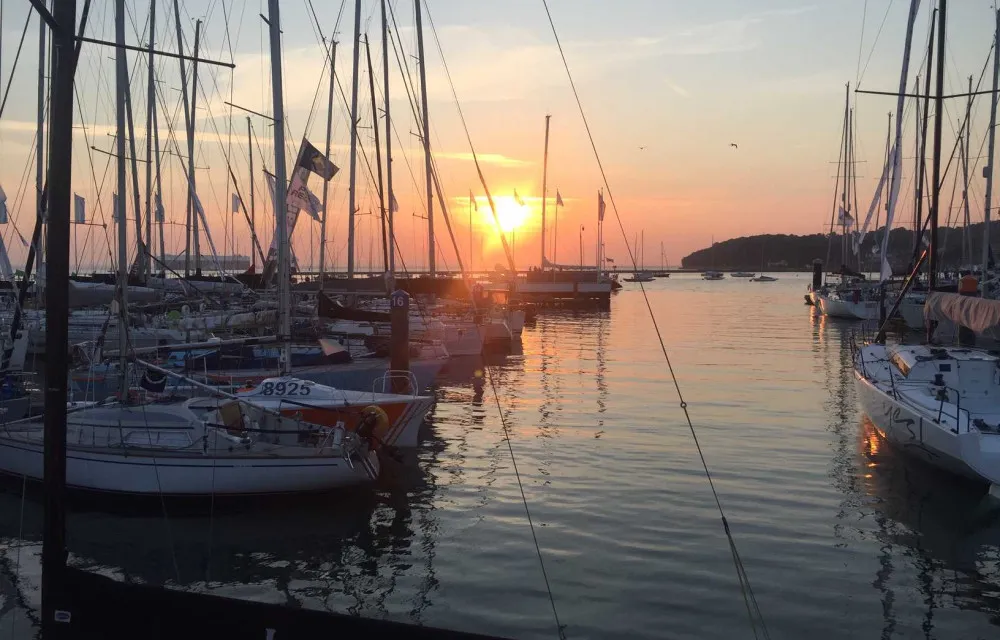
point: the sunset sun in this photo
(511, 214)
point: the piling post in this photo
(399, 343)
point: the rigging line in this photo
(750, 600)
(861, 44)
(17, 56)
(874, 42)
(468, 137)
(538, 550)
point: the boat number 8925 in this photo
(284, 389)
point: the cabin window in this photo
(944, 368)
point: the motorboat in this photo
(763, 278)
(742, 274)
(713, 275)
(940, 404)
(640, 276)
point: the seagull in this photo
(642, 148)
(733, 145)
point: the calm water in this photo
(841, 537)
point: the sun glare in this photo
(511, 214)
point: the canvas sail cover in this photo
(978, 314)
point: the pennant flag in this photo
(600, 206)
(559, 202)
(393, 205)
(79, 209)
(518, 199)
(3, 206)
(159, 208)
(236, 203)
(472, 199)
(611, 260)
(311, 159)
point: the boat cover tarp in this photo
(978, 314)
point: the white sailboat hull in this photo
(973, 455)
(836, 308)
(186, 475)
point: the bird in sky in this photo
(642, 148)
(733, 145)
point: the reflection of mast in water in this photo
(602, 366)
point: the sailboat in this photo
(939, 404)
(662, 273)
(762, 277)
(712, 274)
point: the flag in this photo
(311, 159)
(298, 193)
(114, 207)
(844, 218)
(393, 205)
(79, 209)
(159, 208)
(3, 207)
(600, 206)
(559, 202)
(611, 260)
(236, 203)
(472, 199)
(518, 199)
(315, 206)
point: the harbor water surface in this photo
(840, 535)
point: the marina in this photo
(344, 397)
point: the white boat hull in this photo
(172, 474)
(836, 308)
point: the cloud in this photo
(484, 158)
(679, 90)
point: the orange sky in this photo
(681, 80)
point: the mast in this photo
(253, 212)
(140, 260)
(280, 183)
(988, 170)
(922, 172)
(472, 256)
(936, 160)
(326, 183)
(388, 142)
(57, 318)
(843, 189)
(352, 190)
(545, 177)
(378, 153)
(426, 137)
(849, 169)
(966, 240)
(159, 194)
(147, 262)
(40, 141)
(195, 235)
(187, 128)
(121, 80)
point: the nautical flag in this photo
(844, 218)
(600, 206)
(236, 203)
(472, 199)
(518, 199)
(559, 202)
(114, 207)
(3, 207)
(79, 209)
(611, 260)
(393, 205)
(315, 206)
(311, 159)
(159, 208)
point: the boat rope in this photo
(757, 623)
(871, 51)
(560, 628)
(17, 56)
